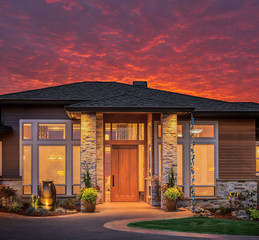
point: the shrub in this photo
(224, 210)
(14, 207)
(253, 213)
(80, 194)
(35, 201)
(212, 210)
(60, 210)
(173, 193)
(30, 210)
(171, 178)
(90, 194)
(25, 205)
(7, 192)
(69, 204)
(42, 211)
(87, 177)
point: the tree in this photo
(87, 177)
(171, 178)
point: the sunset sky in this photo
(202, 48)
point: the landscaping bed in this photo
(202, 225)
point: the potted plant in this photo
(172, 195)
(88, 196)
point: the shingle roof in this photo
(114, 94)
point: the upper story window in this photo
(179, 130)
(52, 131)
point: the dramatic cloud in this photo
(206, 48)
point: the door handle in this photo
(113, 180)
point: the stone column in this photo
(99, 152)
(169, 148)
(88, 145)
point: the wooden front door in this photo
(124, 174)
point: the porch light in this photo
(196, 131)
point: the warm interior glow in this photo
(179, 164)
(179, 130)
(107, 173)
(141, 167)
(26, 165)
(76, 131)
(27, 134)
(52, 131)
(204, 164)
(206, 131)
(141, 131)
(52, 164)
(76, 164)
(257, 158)
(124, 131)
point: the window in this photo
(52, 131)
(257, 158)
(52, 165)
(141, 168)
(107, 173)
(159, 130)
(107, 131)
(124, 131)
(1, 159)
(76, 131)
(27, 135)
(179, 164)
(141, 131)
(76, 169)
(203, 131)
(179, 131)
(50, 153)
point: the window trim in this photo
(35, 142)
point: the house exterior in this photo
(130, 136)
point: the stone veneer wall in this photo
(169, 148)
(99, 152)
(88, 145)
(222, 189)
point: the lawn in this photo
(202, 225)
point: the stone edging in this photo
(121, 225)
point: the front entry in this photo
(124, 174)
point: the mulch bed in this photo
(227, 216)
(39, 214)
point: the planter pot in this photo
(47, 192)
(171, 205)
(89, 206)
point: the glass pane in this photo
(60, 190)
(124, 131)
(107, 131)
(149, 161)
(141, 167)
(52, 164)
(141, 131)
(27, 131)
(204, 191)
(257, 152)
(27, 190)
(76, 189)
(76, 131)
(107, 173)
(179, 130)
(204, 164)
(52, 131)
(179, 164)
(26, 165)
(76, 164)
(203, 131)
(257, 158)
(159, 131)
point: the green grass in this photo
(202, 225)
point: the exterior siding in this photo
(237, 149)
(10, 117)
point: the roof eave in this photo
(226, 113)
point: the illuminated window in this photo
(203, 131)
(124, 131)
(179, 131)
(141, 167)
(52, 131)
(159, 130)
(76, 131)
(27, 135)
(27, 151)
(204, 168)
(76, 169)
(141, 131)
(257, 158)
(179, 164)
(107, 131)
(52, 164)
(107, 173)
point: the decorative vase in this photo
(89, 206)
(171, 205)
(47, 192)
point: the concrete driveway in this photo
(85, 225)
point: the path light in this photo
(47, 192)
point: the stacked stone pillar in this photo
(169, 148)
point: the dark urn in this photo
(47, 192)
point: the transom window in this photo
(50, 150)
